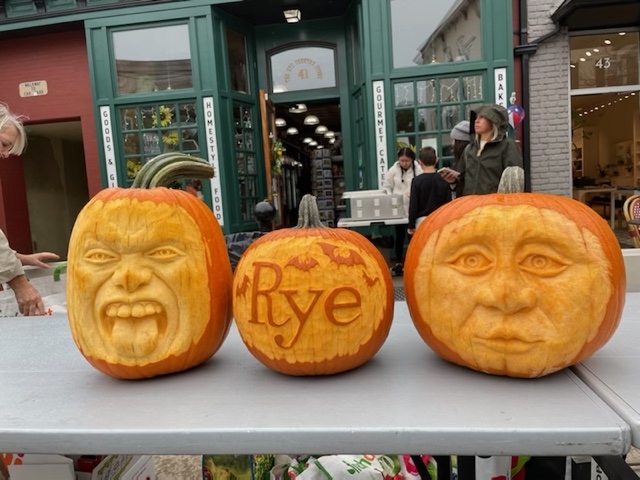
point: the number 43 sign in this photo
(604, 63)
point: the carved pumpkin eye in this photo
(517, 284)
(543, 265)
(100, 256)
(471, 263)
(165, 254)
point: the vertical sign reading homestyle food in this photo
(212, 156)
(109, 150)
(380, 129)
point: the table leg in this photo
(616, 468)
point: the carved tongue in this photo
(135, 337)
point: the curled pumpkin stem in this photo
(308, 214)
(166, 168)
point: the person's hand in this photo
(411, 231)
(28, 298)
(449, 177)
(37, 259)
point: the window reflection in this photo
(237, 61)
(152, 59)
(436, 31)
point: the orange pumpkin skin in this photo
(520, 284)
(313, 301)
(114, 238)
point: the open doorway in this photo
(312, 162)
(56, 183)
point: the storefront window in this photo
(245, 150)
(152, 59)
(237, 61)
(303, 68)
(605, 60)
(149, 130)
(427, 109)
(437, 31)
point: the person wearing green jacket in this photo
(487, 155)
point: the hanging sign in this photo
(212, 156)
(380, 130)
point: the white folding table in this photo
(405, 400)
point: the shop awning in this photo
(597, 14)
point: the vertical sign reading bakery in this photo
(303, 68)
(212, 157)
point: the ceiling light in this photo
(582, 59)
(607, 42)
(596, 50)
(588, 54)
(292, 16)
(321, 129)
(292, 131)
(329, 134)
(307, 140)
(333, 140)
(313, 143)
(573, 66)
(622, 33)
(281, 122)
(298, 108)
(319, 147)
(311, 120)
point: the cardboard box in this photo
(125, 467)
(37, 467)
(374, 205)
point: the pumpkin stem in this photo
(512, 180)
(167, 167)
(308, 214)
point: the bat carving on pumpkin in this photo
(302, 262)
(333, 252)
(242, 287)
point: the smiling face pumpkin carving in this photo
(139, 288)
(515, 289)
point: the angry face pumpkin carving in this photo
(519, 284)
(312, 300)
(148, 282)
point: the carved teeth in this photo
(136, 310)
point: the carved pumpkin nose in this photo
(501, 294)
(130, 275)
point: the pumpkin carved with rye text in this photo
(149, 278)
(312, 300)
(518, 284)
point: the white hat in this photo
(461, 131)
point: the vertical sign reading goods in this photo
(380, 129)
(500, 75)
(109, 151)
(212, 156)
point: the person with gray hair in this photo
(13, 141)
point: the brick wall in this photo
(550, 112)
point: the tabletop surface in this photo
(404, 400)
(612, 372)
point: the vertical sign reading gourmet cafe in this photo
(380, 129)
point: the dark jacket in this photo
(428, 192)
(480, 174)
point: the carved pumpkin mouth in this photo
(511, 345)
(135, 328)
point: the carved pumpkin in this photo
(521, 284)
(312, 300)
(148, 275)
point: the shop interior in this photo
(606, 140)
(308, 146)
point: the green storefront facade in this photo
(190, 76)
